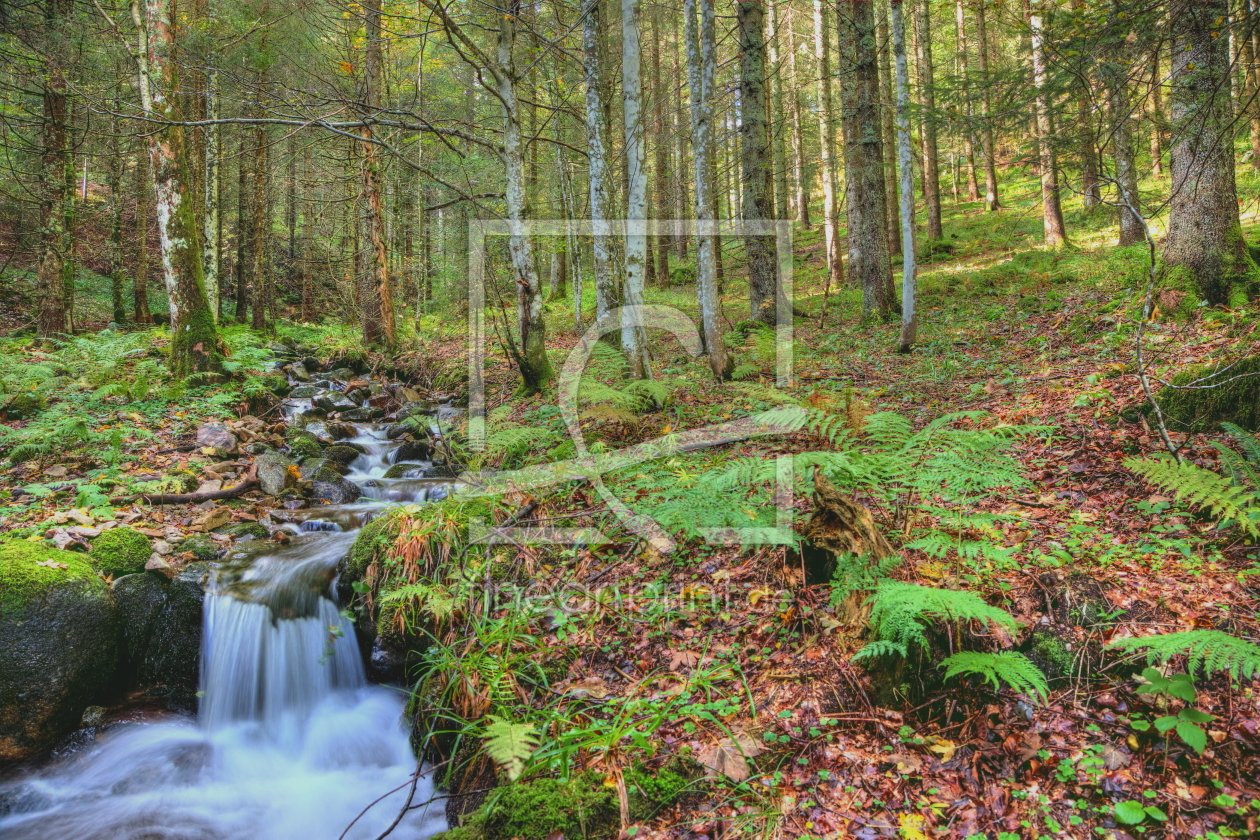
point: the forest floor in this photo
(738, 657)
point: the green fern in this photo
(900, 613)
(1209, 650)
(1200, 487)
(509, 745)
(433, 599)
(859, 574)
(744, 371)
(651, 393)
(1244, 468)
(1006, 668)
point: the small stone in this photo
(299, 372)
(209, 487)
(216, 437)
(56, 471)
(158, 564)
(212, 519)
(92, 716)
(83, 531)
(163, 548)
(82, 517)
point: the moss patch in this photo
(23, 580)
(244, 529)
(202, 548)
(1222, 393)
(401, 470)
(583, 807)
(121, 551)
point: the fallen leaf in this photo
(730, 756)
(51, 564)
(683, 659)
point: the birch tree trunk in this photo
(194, 340)
(701, 69)
(755, 159)
(1051, 210)
(633, 338)
(1205, 245)
(827, 147)
(864, 158)
(607, 291)
(927, 99)
(909, 272)
(992, 201)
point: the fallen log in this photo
(248, 483)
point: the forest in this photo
(675, 419)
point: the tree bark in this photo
(701, 68)
(116, 270)
(992, 201)
(1051, 210)
(660, 158)
(778, 114)
(827, 148)
(755, 159)
(244, 231)
(968, 131)
(376, 303)
(140, 281)
(1156, 104)
(633, 335)
(909, 324)
(212, 226)
(1205, 245)
(56, 191)
(262, 225)
(864, 158)
(607, 291)
(887, 122)
(927, 101)
(194, 340)
(800, 193)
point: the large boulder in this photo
(413, 450)
(58, 644)
(120, 551)
(274, 473)
(160, 630)
(335, 402)
(344, 453)
(313, 467)
(332, 488)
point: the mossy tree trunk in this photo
(194, 339)
(1205, 244)
(56, 188)
(755, 153)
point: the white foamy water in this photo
(291, 742)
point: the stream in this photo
(291, 741)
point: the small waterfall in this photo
(291, 741)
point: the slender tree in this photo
(633, 337)
(376, 299)
(56, 191)
(992, 201)
(607, 291)
(827, 147)
(909, 324)
(927, 101)
(1051, 210)
(757, 201)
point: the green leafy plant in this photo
(1208, 650)
(1185, 722)
(509, 744)
(900, 613)
(1220, 496)
(1008, 668)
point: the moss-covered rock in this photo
(1050, 653)
(239, 530)
(1221, 393)
(401, 470)
(303, 448)
(121, 551)
(313, 467)
(344, 453)
(203, 548)
(583, 807)
(58, 644)
(170, 484)
(22, 406)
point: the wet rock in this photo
(302, 448)
(405, 470)
(217, 437)
(58, 644)
(92, 716)
(335, 402)
(397, 430)
(160, 628)
(299, 372)
(418, 407)
(305, 392)
(385, 665)
(256, 448)
(340, 431)
(413, 450)
(334, 489)
(344, 453)
(362, 415)
(358, 394)
(274, 475)
(202, 548)
(311, 468)
(344, 374)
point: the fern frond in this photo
(510, 744)
(651, 393)
(1202, 488)
(881, 647)
(1246, 441)
(744, 371)
(609, 414)
(900, 611)
(1242, 471)
(435, 600)
(1006, 668)
(1209, 650)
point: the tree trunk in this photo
(968, 131)
(755, 159)
(927, 100)
(778, 115)
(140, 281)
(992, 201)
(701, 68)
(116, 270)
(1052, 212)
(800, 193)
(909, 324)
(376, 303)
(660, 242)
(827, 148)
(212, 226)
(56, 191)
(244, 231)
(887, 122)
(1156, 105)
(1250, 49)
(864, 158)
(194, 340)
(607, 291)
(262, 225)
(306, 253)
(1115, 72)
(1091, 186)
(633, 336)
(1204, 245)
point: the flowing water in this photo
(291, 742)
